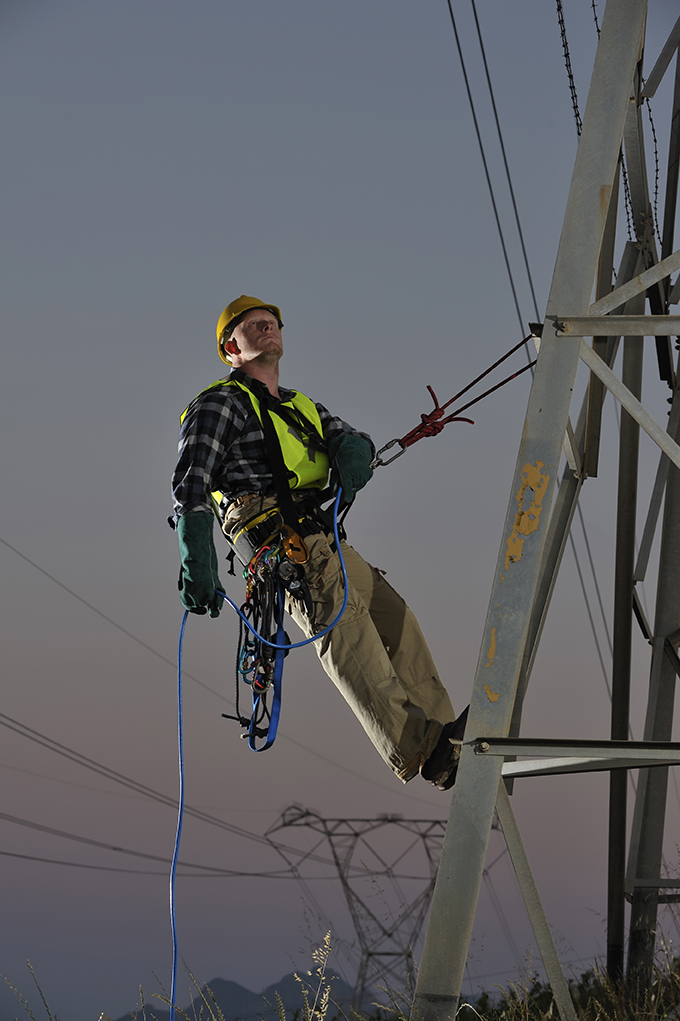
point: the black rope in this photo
(508, 379)
(486, 372)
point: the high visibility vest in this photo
(307, 465)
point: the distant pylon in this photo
(385, 944)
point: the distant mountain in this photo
(240, 1004)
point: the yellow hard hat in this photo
(233, 313)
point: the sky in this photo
(160, 159)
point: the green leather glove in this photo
(198, 577)
(350, 456)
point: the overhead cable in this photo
(486, 168)
(505, 163)
(135, 785)
(103, 844)
(97, 868)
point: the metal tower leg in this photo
(651, 797)
(519, 563)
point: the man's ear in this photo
(231, 347)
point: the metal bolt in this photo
(484, 746)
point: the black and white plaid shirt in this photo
(221, 446)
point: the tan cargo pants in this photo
(376, 655)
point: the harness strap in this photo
(278, 467)
(291, 416)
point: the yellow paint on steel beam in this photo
(492, 647)
(526, 520)
(491, 695)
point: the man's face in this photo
(257, 336)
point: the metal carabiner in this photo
(378, 459)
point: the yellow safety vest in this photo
(308, 465)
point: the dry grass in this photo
(595, 999)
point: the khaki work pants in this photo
(376, 655)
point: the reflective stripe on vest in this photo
(308, 466)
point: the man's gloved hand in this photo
(350, 456)
(198, 577)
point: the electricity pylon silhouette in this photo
(367, 852)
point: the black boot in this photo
(441, 767)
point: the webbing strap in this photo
(278, 467)
(291, 416)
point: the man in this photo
(256, 450)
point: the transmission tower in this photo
(536, 531)
(393, 850)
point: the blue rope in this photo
(180, 814)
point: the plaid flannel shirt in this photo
(221, 447)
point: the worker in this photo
(263, 450)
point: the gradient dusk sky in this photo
(160, 158)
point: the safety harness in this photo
(271, 546)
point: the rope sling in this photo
(432, 423)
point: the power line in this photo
(140, 788)
(230, 874)
(68, 783)
(486, 167)
(82, 760)
(95, 868)
(505, 162)
(595, 581)
(40, 827)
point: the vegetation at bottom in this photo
(594, 997)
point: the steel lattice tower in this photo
(359, 854)
(586, 301)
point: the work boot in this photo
(441, 767)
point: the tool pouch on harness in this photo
(250, 537)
